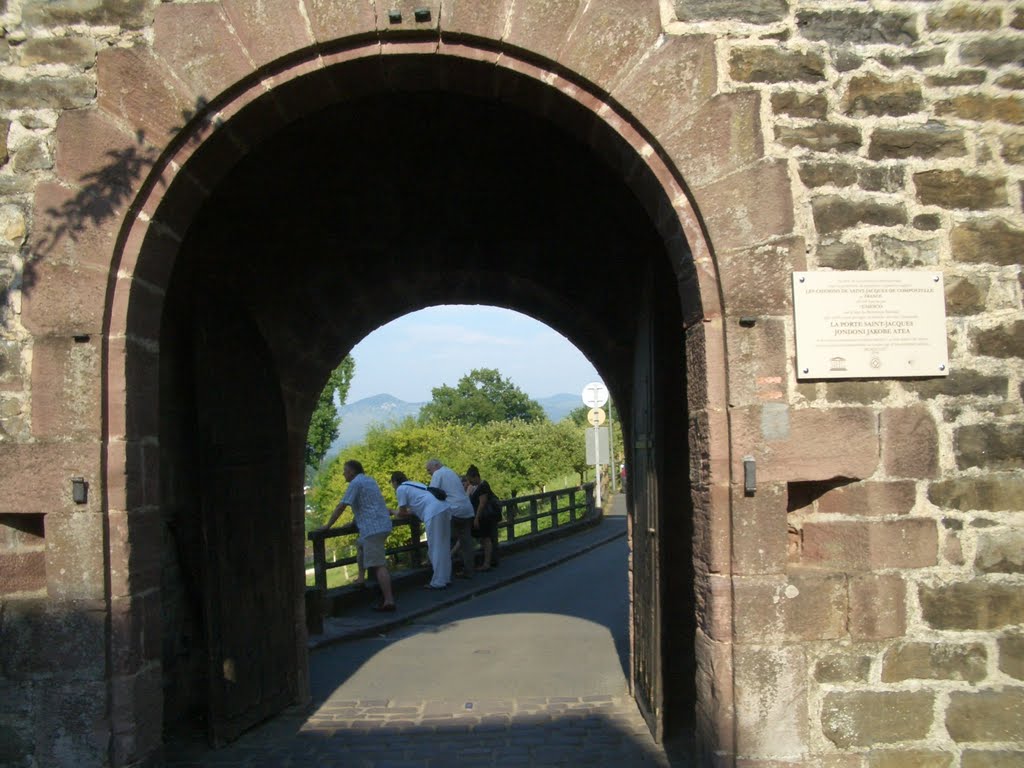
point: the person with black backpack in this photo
(417, 499)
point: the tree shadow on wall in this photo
(104, 193)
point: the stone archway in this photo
(642, 104)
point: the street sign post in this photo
(595, 395)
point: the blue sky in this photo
(413, 354)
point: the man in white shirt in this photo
(415, 499)
(462, 511)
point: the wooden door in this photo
(648, 686)
(248, 596)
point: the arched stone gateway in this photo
(237, 192)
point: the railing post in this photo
(533, 515)
(589, 490)
(415, 538)
(572, 505)
(554, 510)
(319, 562)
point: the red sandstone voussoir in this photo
(670, 83)
(333, 20)
(478, 18)
(75, 227)
(541, 28)
(200, 48)
(609, 40)
(269, 29)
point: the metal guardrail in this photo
(542, 512)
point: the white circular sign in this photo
(595, 394)
(596, 416)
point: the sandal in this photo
(384, 608)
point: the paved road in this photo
(542, 683)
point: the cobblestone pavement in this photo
(589, 731)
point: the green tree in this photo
(323, 425)
(481, 397)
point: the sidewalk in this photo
(413, 601)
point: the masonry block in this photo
(673, 81)
(73, 727)
(723, 137)
(77, 227)
(910, 758)
(38, 637)
(37, 476)
(22, 572)
(157, 111)
(910, 442)
(1011, 655)
(805, 444)
(136, 632)
(990, 715)
(878, 607)
(757, 362)
(972, 605)
(136, 714)
(935, 661)
(66, 398)
(268, 30)
(749, 207)
(815, 605)
(869, 718)
(542, 28)
(771, 701)
(136, 544)
(479, 18)
(337, 19)
(868, 546)
(759, 280)
(760, 615)
(870, 499)
(75, 556)
(63, 299)
(199, 47)
(759, 536)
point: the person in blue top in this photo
(373, 519)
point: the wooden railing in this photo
(522, 517)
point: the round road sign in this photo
(595, 394)
(596, 416)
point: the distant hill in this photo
(358, 417)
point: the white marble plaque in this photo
(869, 325)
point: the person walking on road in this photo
(415, 499)
(373, 519)
(463, 513)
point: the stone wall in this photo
(877, 573)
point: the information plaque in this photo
(869, 325)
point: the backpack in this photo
(437, 493)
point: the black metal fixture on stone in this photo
(748, 322)
(422, 14)
(749, 476)
(79, 490)
(395, 16)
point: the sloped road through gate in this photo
(530, 674)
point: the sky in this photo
(437, 346)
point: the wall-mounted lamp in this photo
(79, 490)
(749, 475)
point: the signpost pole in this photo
(595, 395)
(597, 465)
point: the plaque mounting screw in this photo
(942, 367)
(802, 279)
(935, 279)
(807, 370)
